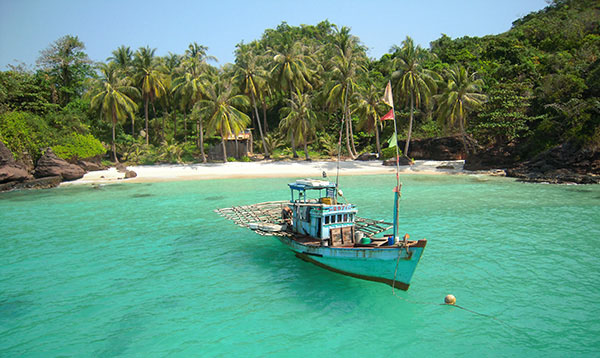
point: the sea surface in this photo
(149, 270)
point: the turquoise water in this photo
(149, 270)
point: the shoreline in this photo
(264, 169)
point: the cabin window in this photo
(339, 218)
(345, 218)
(326, 220)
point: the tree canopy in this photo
(537, 84)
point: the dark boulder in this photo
(121, 168)
(367, 156)
(566, 163)
(443, 148)
(130, 174)
(10, 170)
(497, 157)
(91, 164)
(41, 183)
(403, 160)
(51, 165)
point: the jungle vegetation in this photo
(537, 84)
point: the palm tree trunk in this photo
(350, 153)
(351, 149)
(354, 152)
(184, 125)
(162, 130)
(198, 133)
(264, 108)
(463, 136)
(175, 125)
(295, 155)
(377, 140)
(132, 126)
(346, 121)
(266, 152)
(114, 146)
(146, 115)
(202, 141)
(224, 148)
(237, 147)
(410, 123)
(306, 149)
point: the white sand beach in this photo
(300, 169)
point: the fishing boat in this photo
(320, 226)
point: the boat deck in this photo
(248, 216)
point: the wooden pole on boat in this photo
(337, 175)
(388, 98)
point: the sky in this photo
(29, 26)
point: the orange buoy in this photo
(449, 299)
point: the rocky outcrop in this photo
(10, 170)
(130, 174)
(403, 160)
(123, 169)
(90, 164)
(41, 183)
(566, 163)
(444, 148)
(51, 165)
(367, 156)
(493, 158)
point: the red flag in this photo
(389, 115)
(387, 96)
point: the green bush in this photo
(24, 132)
(245, 159)
(77, 146)
(389, 152)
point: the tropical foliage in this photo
(537, 85)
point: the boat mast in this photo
(398, 185)
(337, 176)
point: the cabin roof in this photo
(311, 184)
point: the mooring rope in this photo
(456, 306)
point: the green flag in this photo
(392, 142)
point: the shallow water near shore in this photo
(149, 270)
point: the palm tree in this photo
(290, 71)
(300, 119)
(414, 83)
(189, 85)
(188, 89)
(122, 57)
(195, 60)
(461, 94)
(219, 108)
(169, 67)
(251, 77)
(115, 99)
(346, 66)
(148, 78)
(367, 101)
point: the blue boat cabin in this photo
(316, 212)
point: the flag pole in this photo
(389, 100)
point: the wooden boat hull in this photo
(391, 265)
